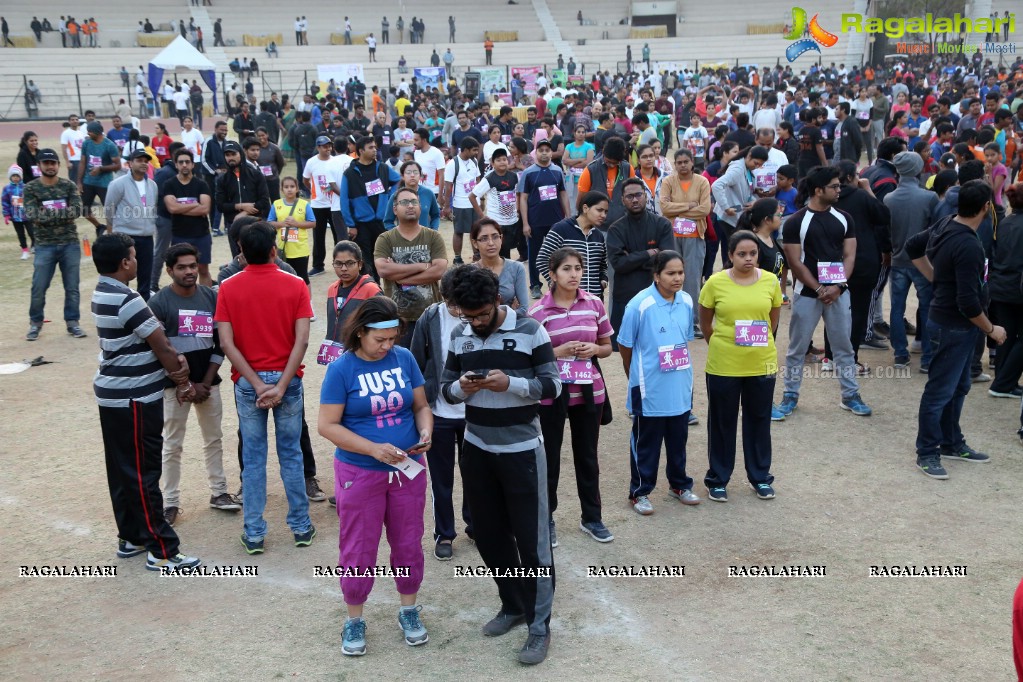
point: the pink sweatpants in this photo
(366, 501)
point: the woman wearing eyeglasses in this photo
(739, 311)
(373, 407)
(580, 333)
(429, 209)
(344, 296)
(487, 239)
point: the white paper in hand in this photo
(409, 467)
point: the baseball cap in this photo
(94, 127)
(544, 143)
(47, 155)
(232, 147)
(138, 154)
(322, 140)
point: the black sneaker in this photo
(76, 331)
(717, 494)
(875, 343)
(171, 514)
(312, 490)
(332, 500)
(910, 327)
(458, 261)
(33, 332)
(126, 550)
(535, 292)
(931, 466)
(443, 551)
(315, 271)
(174, 563)
(305, 539)
(1014, 393)
(764, 491)
(535, 649)
(697, 333)
(252, 547)
(596, 530)
(225, 501)
(882, 329)
(502, 623)
(964, 453)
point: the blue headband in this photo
(386, 324)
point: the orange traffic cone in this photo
(86, 247)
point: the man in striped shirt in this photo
(135, 357)
(501, 365)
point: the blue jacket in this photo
(429, 211)
(356, 204)
(15, 213)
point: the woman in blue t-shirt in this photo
(373, 407)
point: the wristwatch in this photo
(842, 288)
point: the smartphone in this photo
(420, 445)
(478, 375)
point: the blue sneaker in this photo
(693, 419)
(788, 404)
(776, 414)
(408, 621)
(353, 641)
(856, 405)
(717, 494)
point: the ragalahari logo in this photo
(818, 36)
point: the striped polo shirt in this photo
(128, 368)
(505, 421)
(591, 247)
(586, 321)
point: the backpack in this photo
(196, 98)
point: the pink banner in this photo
(527, 76)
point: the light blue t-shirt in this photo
(654, 329)
(309, 215)
(574, 151)
(378, 401)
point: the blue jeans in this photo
(48, 257)
(948, 383)
(288, 425)
(901, 279)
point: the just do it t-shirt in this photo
(378, 401)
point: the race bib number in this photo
(374, 187)
(385, 139)
(36, 172)
(684, 227)
(548, 192)
(434, 134)
(576, 371)
(862, 115)
(506, 198)
(766, 181)
(198, 323)
(329, 352)
(824, 134)
(830, 273)
(160, 151)
(289, 234)
(120, 143)
(467, 187)
(985, 269)
(187, 200)
(673, 358)
(55, 204)
(95, 161)
(695, 145)
(576, 170)
(17, 202)
(751, 333)
(268, 171)
(505, 139)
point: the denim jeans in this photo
(901, 279)
(288, 426)
(948, 383)
(48, 257)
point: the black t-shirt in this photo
(770, 258)
(809, 137)
(822, 235)
(459, 135)
(740, 136)
(182, 225)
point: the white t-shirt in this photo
(320, 174)
(695, 140)
(442, 408)
(372, 42)
(766, 177)
(71, 141)
(180, 100)
(432, 163)
(341, 164)
(766, 118)
(490, 147)
(861, 110)
(298, 26)
(193, 139)
(501, 206)
(468, 173)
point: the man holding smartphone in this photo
(501, 365)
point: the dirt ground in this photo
(849, 496)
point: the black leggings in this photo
(21, 228)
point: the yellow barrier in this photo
(23, 41)
(249, 40)
(155, 39)
(764, 29)
(357, 39)
(502, 36)
(652, 32)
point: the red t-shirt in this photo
(262, 303)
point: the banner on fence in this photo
(527, 76)
(492, 79)
(432, 77)
(341, 73)
(670, 67)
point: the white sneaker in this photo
(827, 365)
(685, 496)
(24, 254)
(176, 562)
(642, 505)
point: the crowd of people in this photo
(619, 199)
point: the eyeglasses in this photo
(409, 202)
(482, 318)
(345, 263)
(488, 238)
(835, 187)
(634, 196)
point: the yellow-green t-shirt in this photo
(751, 303)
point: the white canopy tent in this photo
(181, 54)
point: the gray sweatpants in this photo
(806, 313)
(693, 252)
(162, 242)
